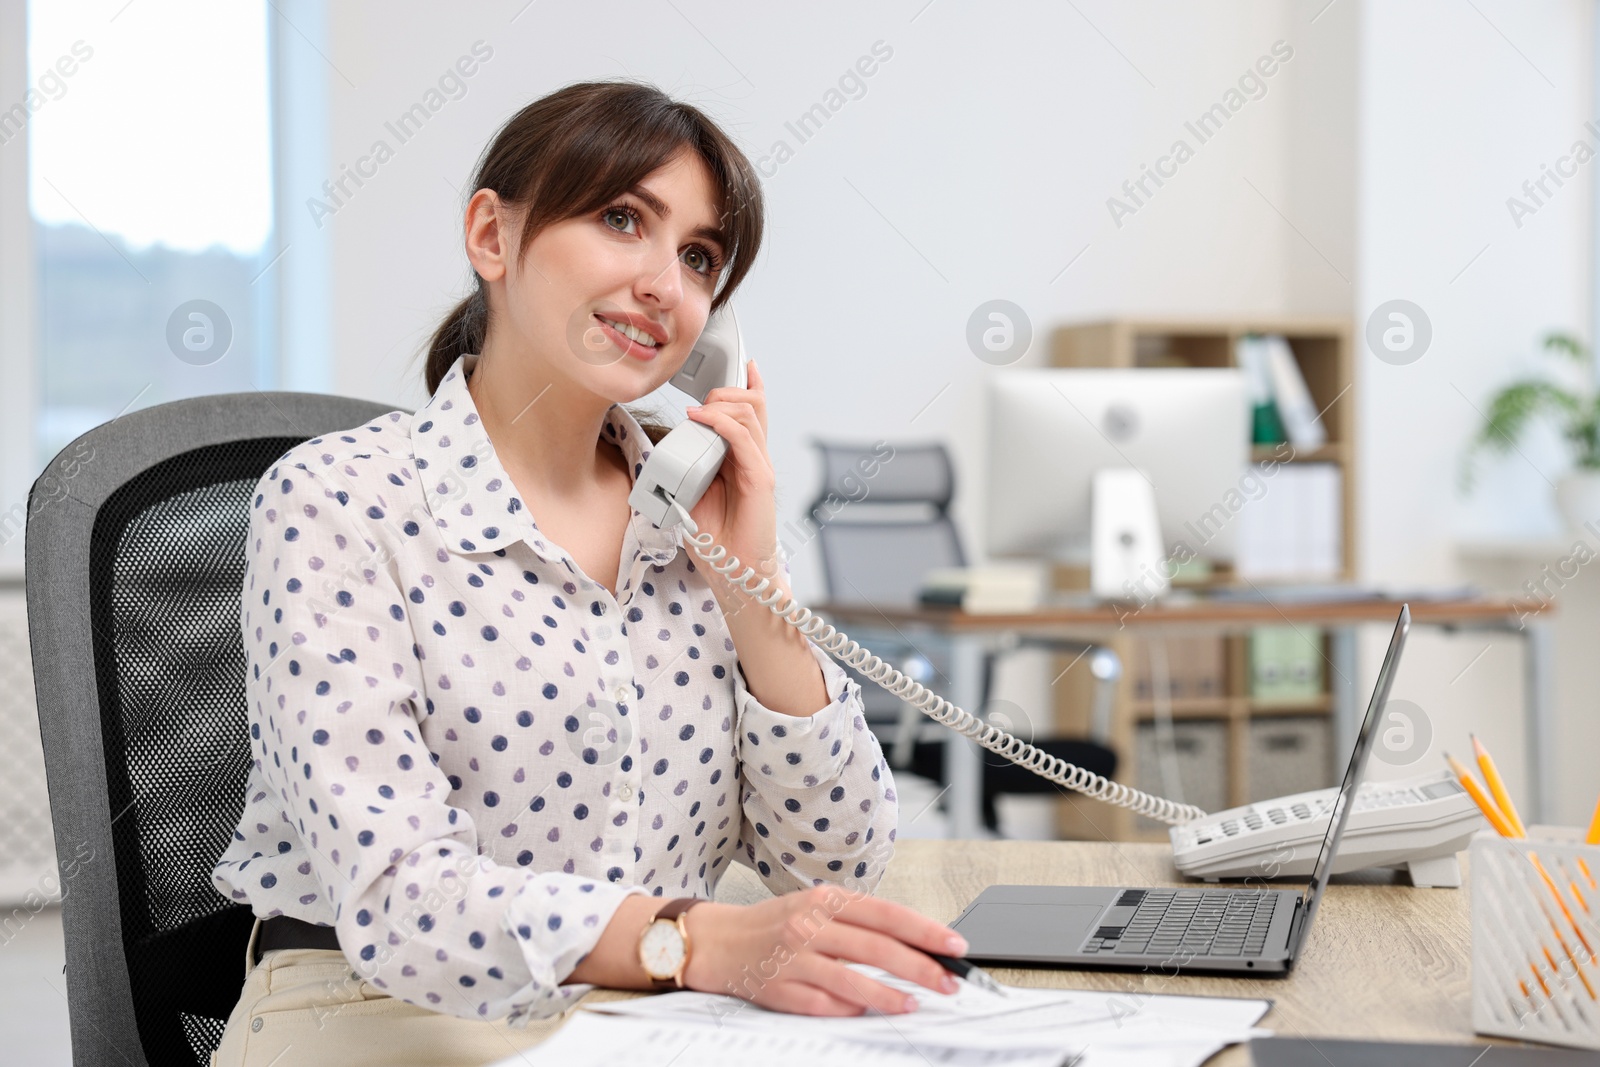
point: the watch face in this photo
(661, 949)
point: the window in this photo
(150, 192)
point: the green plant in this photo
(1514, 408)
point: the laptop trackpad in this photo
(1027, 930)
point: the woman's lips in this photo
(643, 353)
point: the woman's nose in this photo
(663, 284)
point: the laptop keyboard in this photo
(1189, 922)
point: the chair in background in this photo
(133, 587)
(876, 549)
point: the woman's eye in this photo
(704, 262)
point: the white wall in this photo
(1457, 109)
(978, 165)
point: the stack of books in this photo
(994, 589)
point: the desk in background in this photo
(962, 640)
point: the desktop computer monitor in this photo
(1051, 431)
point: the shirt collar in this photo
(468, 492)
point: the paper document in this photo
(1024, 1026)
(591, 1039)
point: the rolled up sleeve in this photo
(818, 798)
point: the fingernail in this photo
(957, 944)
(947, 984)
(692, 410)
(911, 1004)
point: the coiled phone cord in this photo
(842, 648)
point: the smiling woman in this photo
(513, 756)
(556, 161)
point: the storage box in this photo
(1198, 757)
(1287, 754)
(1535, 976)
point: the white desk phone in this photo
(1419, 823)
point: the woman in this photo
(500, 721)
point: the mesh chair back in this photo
(135, 561)
(884, 523)
(915, 474)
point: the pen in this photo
(970, 971)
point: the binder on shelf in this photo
(1286, 665)
(1194, 667)
(1301, 420)
(1295, 529)
(1266, 426)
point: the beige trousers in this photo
(306, 1007)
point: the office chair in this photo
(881, 526)
(135, 559)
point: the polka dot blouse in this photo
(467, 752)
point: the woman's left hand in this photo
(739, 508)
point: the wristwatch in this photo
(664, 945)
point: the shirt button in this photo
(626, 792)
(622, 694)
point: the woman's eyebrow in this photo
(659, 206)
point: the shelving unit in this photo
(1322, 348)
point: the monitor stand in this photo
(1125, 561)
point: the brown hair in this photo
(575, 151)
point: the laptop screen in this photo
(1352, 777)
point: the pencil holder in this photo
(1535, 975)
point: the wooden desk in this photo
(1383, 960)
(965, 640)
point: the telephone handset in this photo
(683, 463)
(677, 474)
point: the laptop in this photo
(1178, 930)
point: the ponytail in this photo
(461, 333)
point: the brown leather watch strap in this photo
(672, 910)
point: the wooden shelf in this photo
(1187, 708)
(1331, 453)
(1322, 705)
(1323, 348)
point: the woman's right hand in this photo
(789, 953)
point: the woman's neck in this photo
(545, 429)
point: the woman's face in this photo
(649, 260)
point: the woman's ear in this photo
(489, 235)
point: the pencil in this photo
(1593, 836)
(1491, 775)
(1479, 797)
